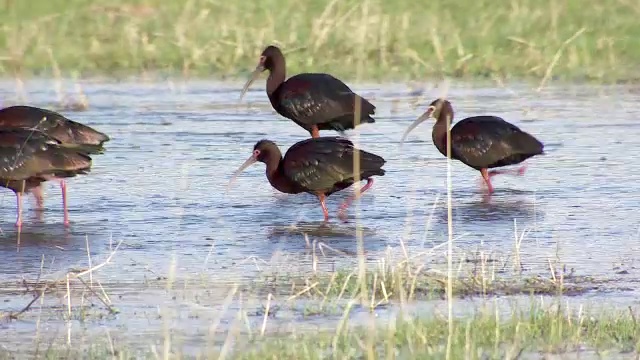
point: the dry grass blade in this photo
(104, 263)
(266, 315)
(361, 40)
(108, 306)
(556, 58)
(303, 291)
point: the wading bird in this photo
(30, 157)
(480, 142)
(315, 101)
(319, 166)
(66, 131)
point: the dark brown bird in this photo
(58, 127)
(315, 101)
(319, 166)
(30, 157)
(481, 142)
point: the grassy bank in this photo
(278, 313)
(530, 333)
(483, 336)
(365, 40)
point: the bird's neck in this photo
(276, 78)
(439, 136)
(277, 178)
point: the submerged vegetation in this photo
(380, 317)
(484, 335)
(354, 39)
(490, 333)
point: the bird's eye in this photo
(263, 59)
(256, 153)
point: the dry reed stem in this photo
(216, 322)
(556, 58)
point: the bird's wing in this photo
(27, 153)
(53, 124)
(315, 98)
(318, 164)
(26, 117)
(482, 138)
(17, 149)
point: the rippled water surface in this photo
(159, 190)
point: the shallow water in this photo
(160, 191)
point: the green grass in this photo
(274, 316)
(358, 40)
(406, 284)
(486, 335)
(260, 329)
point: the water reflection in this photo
(320, 229)
(493, 209)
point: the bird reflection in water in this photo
(327, 238)
(320, 229)
(496, 210)
(43, 234)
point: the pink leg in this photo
(487, 179)
(325, 211)
(315, 133)
(37, 193)
(342, 213)
(518, 172)
(19, 201)
(63, 187)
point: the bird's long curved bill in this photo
(250, 161)
(417, 122)
(254, 75)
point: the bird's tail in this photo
(80, 134)
(53, 124)
(371, 164)
(88, 149)
(64, 162)
(366, 109)
(346, 122)
(527, 144)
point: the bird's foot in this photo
(516, 172)
(487, 189)
(522, 170)
(486, 186)
(342, 215)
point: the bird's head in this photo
(439, 109)
(262, 152)
(270, 58)
(262, 149)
